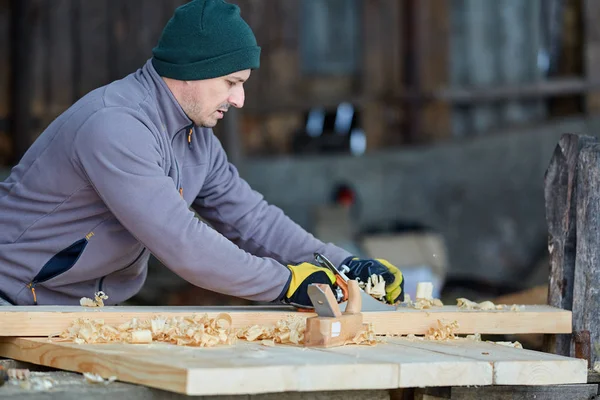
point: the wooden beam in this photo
(48, 320)
(586, 281)
(571, 205)
(535, 90)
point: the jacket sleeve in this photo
(122, 159)
(243, 216)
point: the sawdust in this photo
(98, 301)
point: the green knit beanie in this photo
(205, 39)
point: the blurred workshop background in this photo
(414, 130)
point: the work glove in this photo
(302, 276)
(362, 269)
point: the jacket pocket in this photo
(60, 263)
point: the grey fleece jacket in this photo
(115, 178)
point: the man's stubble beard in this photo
(194, 111)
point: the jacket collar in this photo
(173, 117)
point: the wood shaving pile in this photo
(445, 330)
(485, 305)
(98, 301)
(196, 330)
(290, 330)
(471, 305)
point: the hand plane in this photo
(331, 327)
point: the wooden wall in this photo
(65, 48)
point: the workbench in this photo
(72, 386)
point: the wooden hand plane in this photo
(331, 327)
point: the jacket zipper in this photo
(189, 138)
(190, 130)
(31, 285)
(101, 283)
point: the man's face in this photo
(206, 101)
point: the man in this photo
(113, 178)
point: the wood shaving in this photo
(376, 287)
(516, 345)
(196, 330)
(98, 301)
(95, 378)
(475, 337)
(445, 330)
(18, 374)
(366, 337)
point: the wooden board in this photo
(511, 366)
(250, 368)
(49, 320)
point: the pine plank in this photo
(246, 368)
(421, 367)
(511, 366)
(48, 320)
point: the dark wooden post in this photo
(586, 285)
(572, 213)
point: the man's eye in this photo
(231, 84)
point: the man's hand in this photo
(362, 269)
(302, 276)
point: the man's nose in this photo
(237, 97)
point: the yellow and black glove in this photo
(362, 269)
(302, 276)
